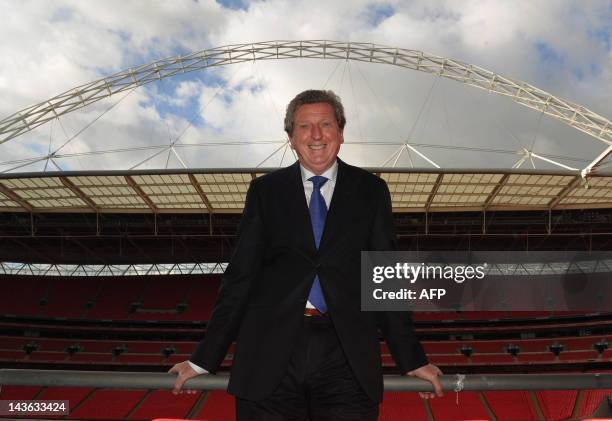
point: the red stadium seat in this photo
(202, 298)
(470, 407)
(151, 347)
(21, 296)
(442, 347)
(108, 404)
(489, 347)
(492, 359)
(113, 302)
(57, 345)
(580, 343)
(219, 407)
(557, 404)
(591, 399)
(533, 345)
(483, 315)
(536, 357)
(74, 395)
(162, 403)
(396, 405)
(511, 405)
(160, 298)
(91, 357)
(448, 359)
(19, 392)
(528, 314)
(45, 356)
(176, 358)
(11, 355)
(101, 346)
(139, 359)
(578, 355)
(14, 342)
(72, 305)
(435, 315)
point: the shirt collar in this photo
(330, 174)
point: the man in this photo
(290, 296)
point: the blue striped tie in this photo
(318, 213)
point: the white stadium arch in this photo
(574, 115)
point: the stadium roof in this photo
(224, 190)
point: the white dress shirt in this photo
(327, 190)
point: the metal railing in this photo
(457, 382)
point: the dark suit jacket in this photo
(267, 282)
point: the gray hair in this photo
(313, 96)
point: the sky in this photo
(231, 116)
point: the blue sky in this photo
(234, 4)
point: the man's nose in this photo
(316, 131)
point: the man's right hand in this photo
(431, 373)
(183, 373)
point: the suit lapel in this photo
(298, 211)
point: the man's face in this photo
(316, 136)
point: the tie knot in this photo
(318, 181)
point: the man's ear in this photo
(341, 136)
(290, 139)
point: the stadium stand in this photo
(114, 323)
(167, 352)
(110, 298)
(88, 403)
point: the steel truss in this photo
(66, 270)
(20, 163)
(523, 93)
(41, 269)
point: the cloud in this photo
(562, 47)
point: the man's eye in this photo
(326, 124)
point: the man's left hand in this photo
(430, 373)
